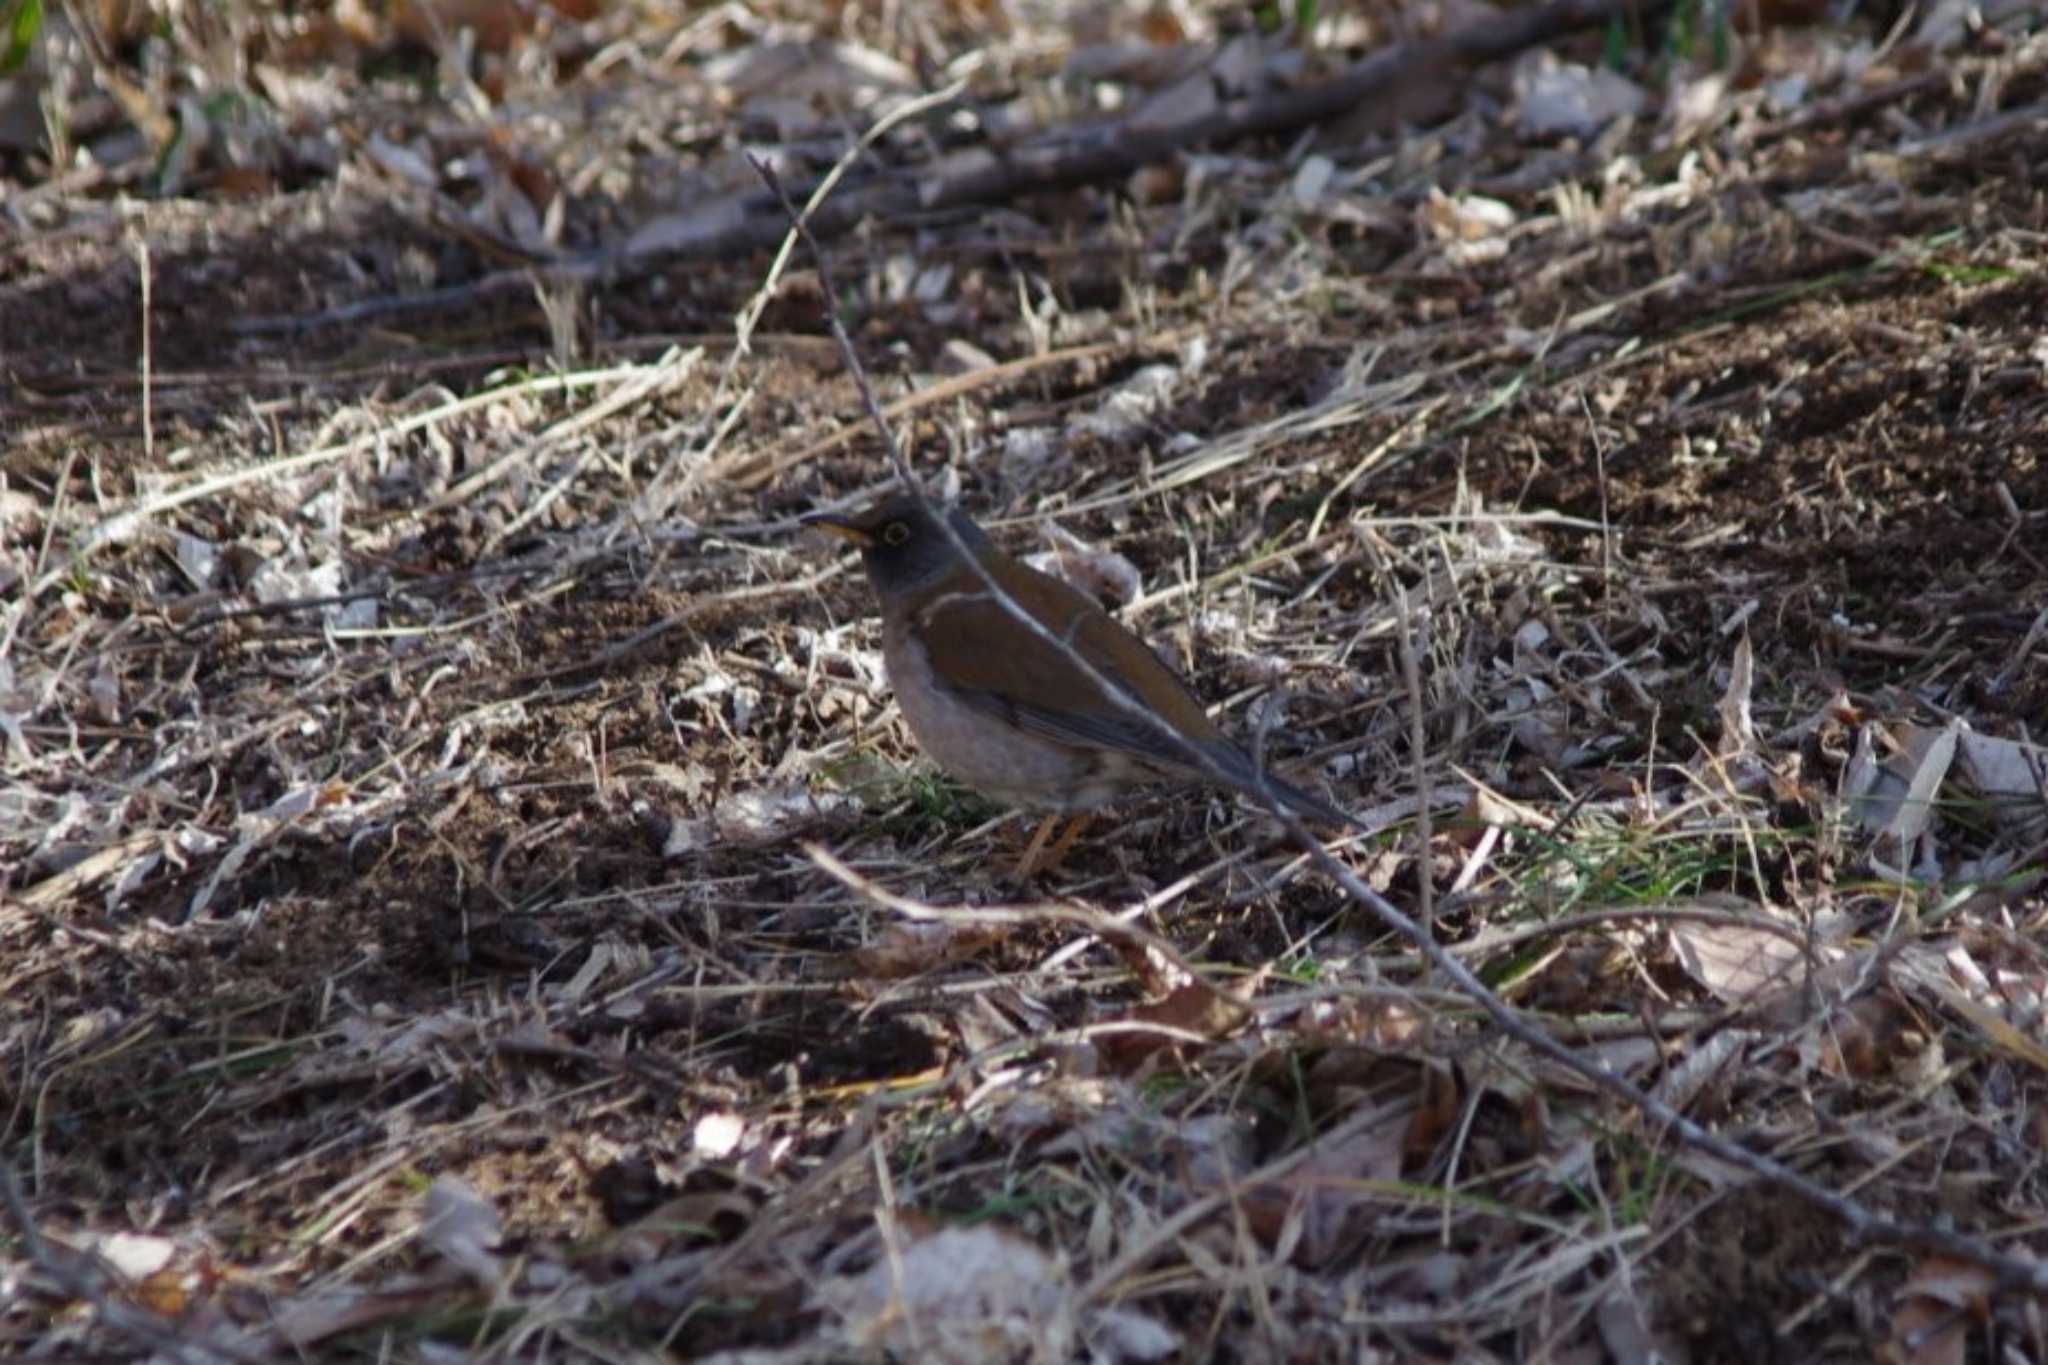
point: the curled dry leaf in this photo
(157, 1268)
(1898, 804)
(754, 818)
(1864, 1039)
(1102, 574)
(1157, 974)
(1465, 217)
(1194, 1012)
(2012, 774)
(1567, 99)
(903, 950)
(462, 1226)
(1488, 807)
(1693, 106)
(1735, 962)
(961, 1294)
(1699, 1081)
(1126, 410)
(1937, 1305)
(1315, 1206)
(1738, 730)
(717, 1136)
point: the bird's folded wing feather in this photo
(994, 662)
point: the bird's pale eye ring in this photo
(895, 533)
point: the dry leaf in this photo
(1317, 1200)
(432, 24)
(1738, 731)
(1466, 218)
(1436, 1112)
(912, 949)
(1937, 1304)
(716, 1136)
(1102, 574)
(960, 1295)
(1195, 1009)
(2012, 774)
(1862, 1040)
(1556, 98)
(1734, 962)
(1624, 1322)
(463, 1227)
(1997, 1028)
(1898, 803)
(1489, 807)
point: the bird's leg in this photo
(1028, 864)
(1032, 864)
(1065, 841)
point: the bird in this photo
(1009, 713)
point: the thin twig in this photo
(1418, 746)
(148, 355)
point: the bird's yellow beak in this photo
(838, 526)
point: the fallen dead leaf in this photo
(1734, 962)
(1316, 1201)
(902, 950)
(1937, 1304)
(959, 1295)
(462, 1226)
(1195, 1011)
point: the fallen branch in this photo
(1058, 159)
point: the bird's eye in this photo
(895, 533)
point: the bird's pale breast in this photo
(991, 755)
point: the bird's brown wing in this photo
(990, 660)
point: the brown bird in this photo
(1010, 714)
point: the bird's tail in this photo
(1247, 777)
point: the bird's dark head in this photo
(902, 544)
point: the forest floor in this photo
(467, 889)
